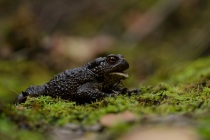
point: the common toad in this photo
(95, 80)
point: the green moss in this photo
(161, 99)
(204, 127)
(9, 131)
(189, 96)
(15, 77)
(183, 72)
(193, 71)
(118, 130)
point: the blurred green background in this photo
(41, 38)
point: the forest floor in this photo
(173, 107)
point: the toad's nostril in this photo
(124, 65)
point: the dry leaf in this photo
(161, 133)
(111, 119)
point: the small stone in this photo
(72, 127)
(94, 128)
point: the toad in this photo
(95, 80)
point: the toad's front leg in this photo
(90, 92)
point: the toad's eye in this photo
(112, 60)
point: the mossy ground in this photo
(187, 92)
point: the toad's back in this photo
(66, 84)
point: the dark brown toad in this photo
(95, 80)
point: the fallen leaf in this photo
(112, 119)
(161, 133)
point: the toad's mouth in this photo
(120, 74)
